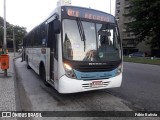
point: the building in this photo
(128, 38)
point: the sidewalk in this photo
(7, 87)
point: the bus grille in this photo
(86, 68)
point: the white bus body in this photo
(48, 54)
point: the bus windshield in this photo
(88, 41)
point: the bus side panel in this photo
(47, 63)
(36, 59)
(38, 55)
(43, 55)
(56, 74)
(29, 56)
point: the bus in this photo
(76, 49)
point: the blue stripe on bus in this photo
(95, 75)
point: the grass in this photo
(142, 60)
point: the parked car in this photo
(138, 54)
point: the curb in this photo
(17, 98)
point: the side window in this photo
(52, 39)
(35, 38)
(32, 38)
(39, 37)
(43, 34)
(29, 40)
(50, 35)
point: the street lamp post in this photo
(14, 45)
(4, 42)
(110, 6)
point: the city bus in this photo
(76, 49)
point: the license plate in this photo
(97, 84)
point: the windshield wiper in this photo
(81, 32)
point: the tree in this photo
(146, 21)
(19, 34)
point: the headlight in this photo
(69, 71)
(119, 69)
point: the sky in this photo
(29, 13)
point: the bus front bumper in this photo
(68, 85)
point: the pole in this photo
(4, 42)
(14, 46)
(110, 6)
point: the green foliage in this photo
(142, 60)
(146, 24)
(18, 31)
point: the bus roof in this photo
(82, 9)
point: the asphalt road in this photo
(36, 93)
(140, 86)
(133, 95)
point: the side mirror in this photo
(56, 26)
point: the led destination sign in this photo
(89, 14)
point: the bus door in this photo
(52, 43)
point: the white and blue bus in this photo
(76, 49)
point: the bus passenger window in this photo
(43, 34)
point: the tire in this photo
(43, 75)
(28, 67)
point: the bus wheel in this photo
(28, 63)
(43, 76)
